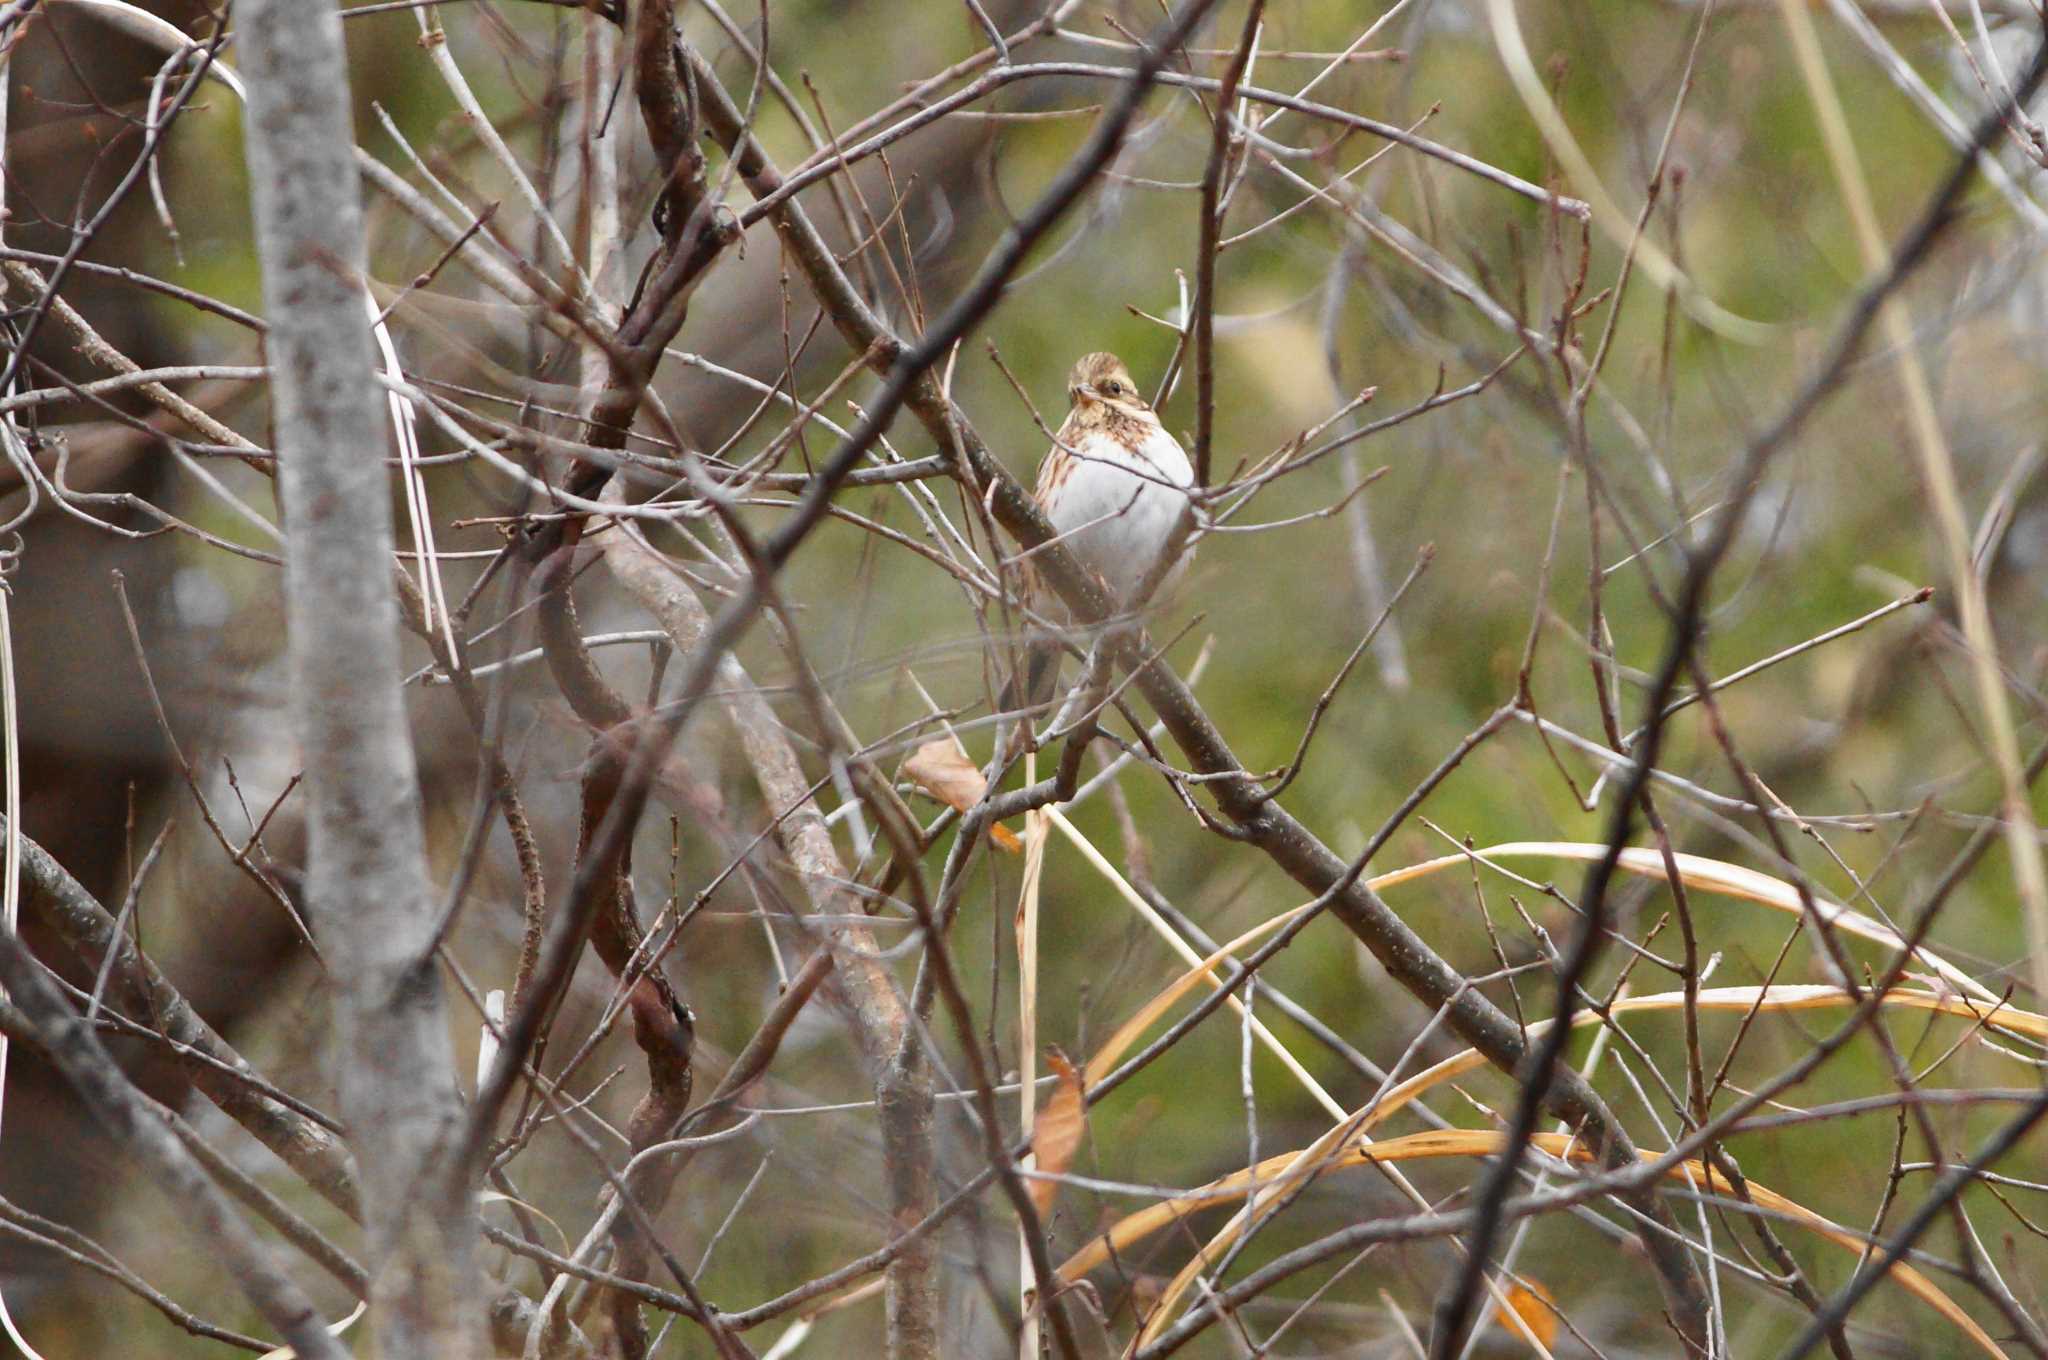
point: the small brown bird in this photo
(1114, 485)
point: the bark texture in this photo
(366, 885)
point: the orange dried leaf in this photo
(1058, 1129)
(1533, 1307)
(942, 771)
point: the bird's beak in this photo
(1076, 393)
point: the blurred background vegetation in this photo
(1311, 312)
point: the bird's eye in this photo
(1113, 387)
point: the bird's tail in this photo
(1034, 682)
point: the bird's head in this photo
(1101, 380)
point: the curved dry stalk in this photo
(1694, 870)
(1317, 1157)
(1697, 871)
(1938, 476)
(1738, 1000)
(1442, 1143)
(1026, 925)
(1619, 226)
(1202, 970)
(1730, 880)
(1743, 1000)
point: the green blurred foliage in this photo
(1874, 721)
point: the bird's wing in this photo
(1167, 457)
(1057, 463)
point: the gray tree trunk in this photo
(367, 884)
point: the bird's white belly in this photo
(1118, 520)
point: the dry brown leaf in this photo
(1532, 1306)
(1058, 1129)
(942, 771)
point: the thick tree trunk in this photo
(367, 884)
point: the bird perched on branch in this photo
(1115, 486)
